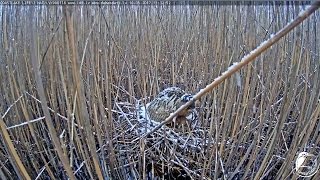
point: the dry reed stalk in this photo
(84, 116)
(15, 159)
(41, 92)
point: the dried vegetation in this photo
(71, 77)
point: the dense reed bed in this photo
(71, 77)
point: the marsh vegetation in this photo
(69, 72)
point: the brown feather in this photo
(166, 102)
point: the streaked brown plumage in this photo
(167, 102)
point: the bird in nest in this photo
(167, 102)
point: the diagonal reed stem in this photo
(244, 61)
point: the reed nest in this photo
(176, 153)
(170, 152)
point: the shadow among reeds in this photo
(95, 63)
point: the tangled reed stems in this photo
(72, 78)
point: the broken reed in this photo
(126, 53)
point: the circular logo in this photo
(306, 164)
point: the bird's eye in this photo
(186, 97)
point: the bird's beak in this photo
(197, 103)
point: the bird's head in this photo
(187, 97)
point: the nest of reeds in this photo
(169, 152)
